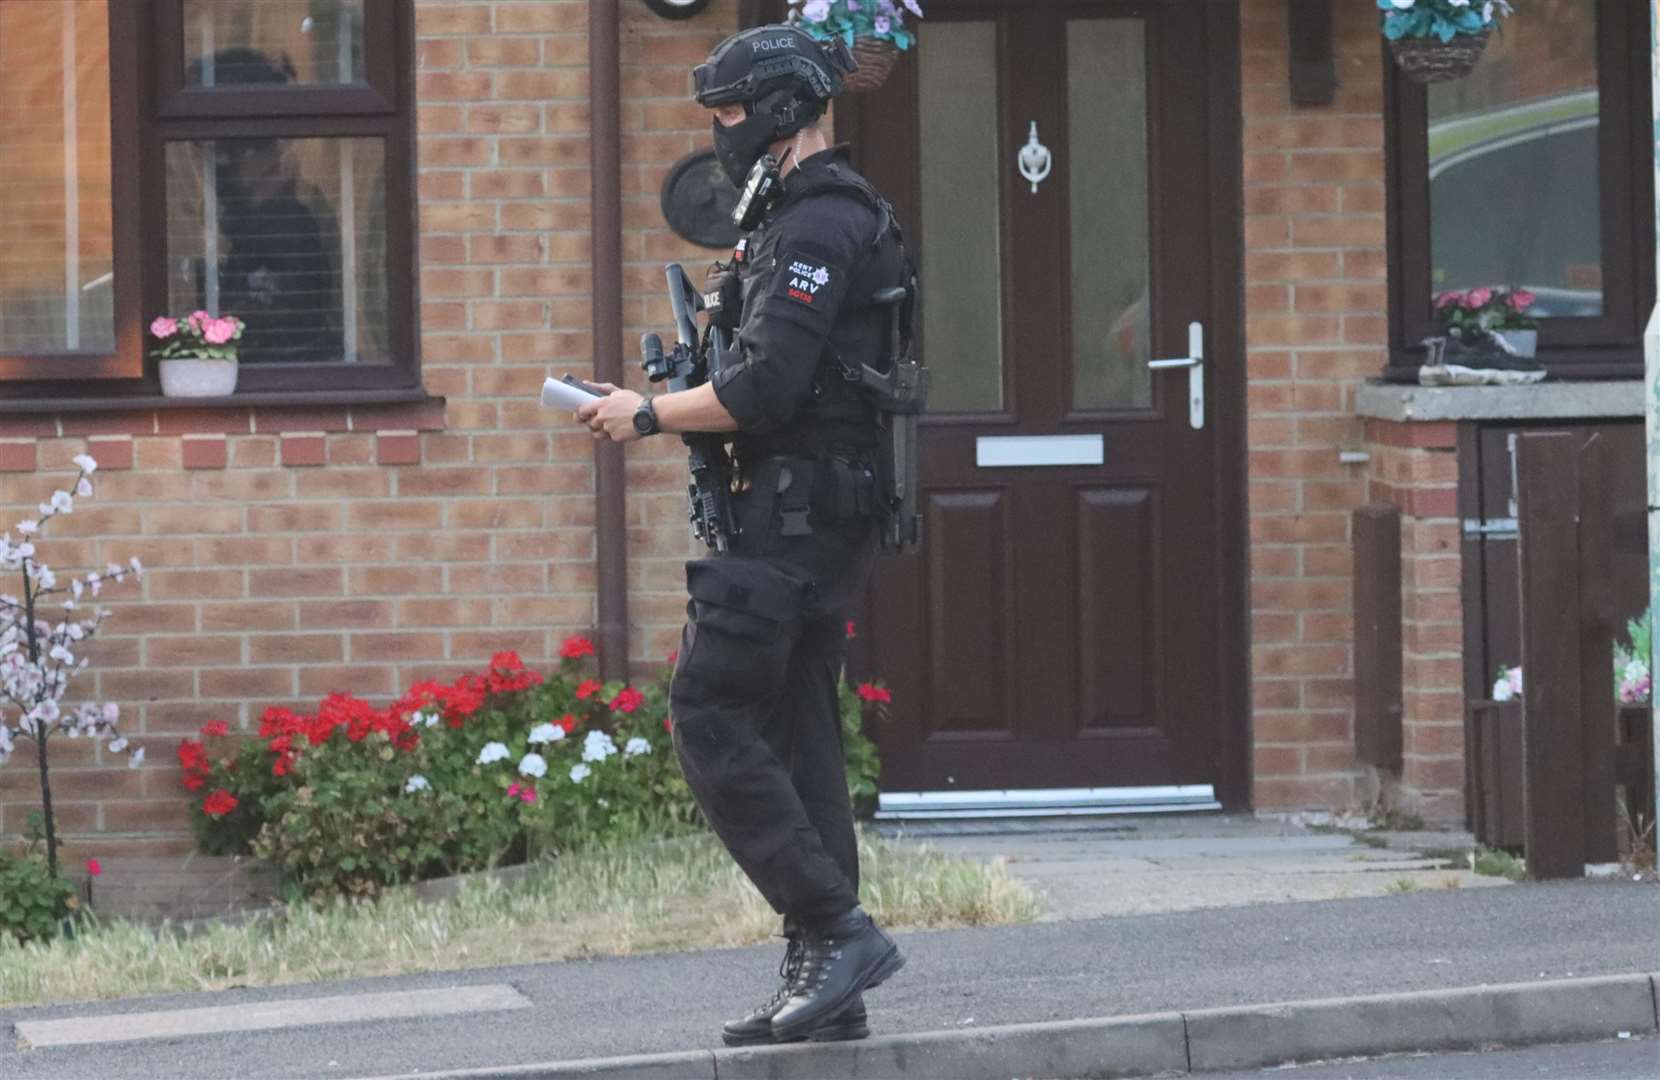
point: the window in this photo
(267, 173)
(1534, 171)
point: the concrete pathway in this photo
(1086, 869)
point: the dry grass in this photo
(664, 896)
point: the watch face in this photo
(644, 421)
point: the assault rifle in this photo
(693, 361)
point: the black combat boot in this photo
(756, 1028)
(838, 963)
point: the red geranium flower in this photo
(216, 729)
(668, 724)
(872, 692)
(627, 700)
(193, 781)
(220, 803)
(850, 630)
(588, 689)
(192, 756)
(575, 648)
(674, 656)
(93, 867)
(568, 722)
(281, 766)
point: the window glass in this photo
(1515, 188)
(289, 236)
(56, 212)
(961, 277)
(250, 42)
(1111, 257)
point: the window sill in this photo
(1403, 403)
(58, 406)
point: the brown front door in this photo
(1069, 191)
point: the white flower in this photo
(533, 765)
(62, 502)
(545, 733)
(416, 783)
(85, 463)
(598, 746)
(83, 487)
(493, 752)
(423, 719)
(28, 528)
(815, 10)
(579, 773)
(138, 567)
(1403, 4)
(137, 758)
(118, 745)
(1459, 3)
(636, 746)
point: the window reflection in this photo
(288, 235)
(242, 42)
(57, 246)
(1515, 195)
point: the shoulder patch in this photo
(805, 280)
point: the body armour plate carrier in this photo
(897, 387)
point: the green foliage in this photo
(1440, 19)
(35, 899)
(492, 770)
(863, 766)
(1493, 863)
(881, 19)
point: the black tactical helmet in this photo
(754, 64)
(782, 77)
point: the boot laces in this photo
(789, 970)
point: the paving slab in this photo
(1118, 866)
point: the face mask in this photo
(740, 146)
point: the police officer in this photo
(754, 702)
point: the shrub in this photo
(489, 770)
(36, 898)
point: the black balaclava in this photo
(740, 146)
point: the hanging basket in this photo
(1429, 60)
(876, 57)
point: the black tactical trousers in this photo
(756, 721)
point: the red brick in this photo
(204, 453)
(398, 448)
(302, 450)
(17, 457)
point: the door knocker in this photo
(1035, 159)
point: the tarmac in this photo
(1221, 978)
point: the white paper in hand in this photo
(562, 395)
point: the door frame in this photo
(1219, 63)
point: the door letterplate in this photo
(1194, 362)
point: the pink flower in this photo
(164, 327)
(1448, 299)
(1521, 300)
(198, 319)
(527, 794)
(219, 331)
(93, 867)
(512, 790)
(1478, 298)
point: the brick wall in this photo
(1316, 325)
(295, 552)
(1415, 466)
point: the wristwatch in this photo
(645, 418)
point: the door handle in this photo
(1194, 362)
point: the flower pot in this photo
(876, 57)
(182, 377)
(1428, 60)
(1524, 342)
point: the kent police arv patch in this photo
(805, 280)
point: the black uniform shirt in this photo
(807, 288)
